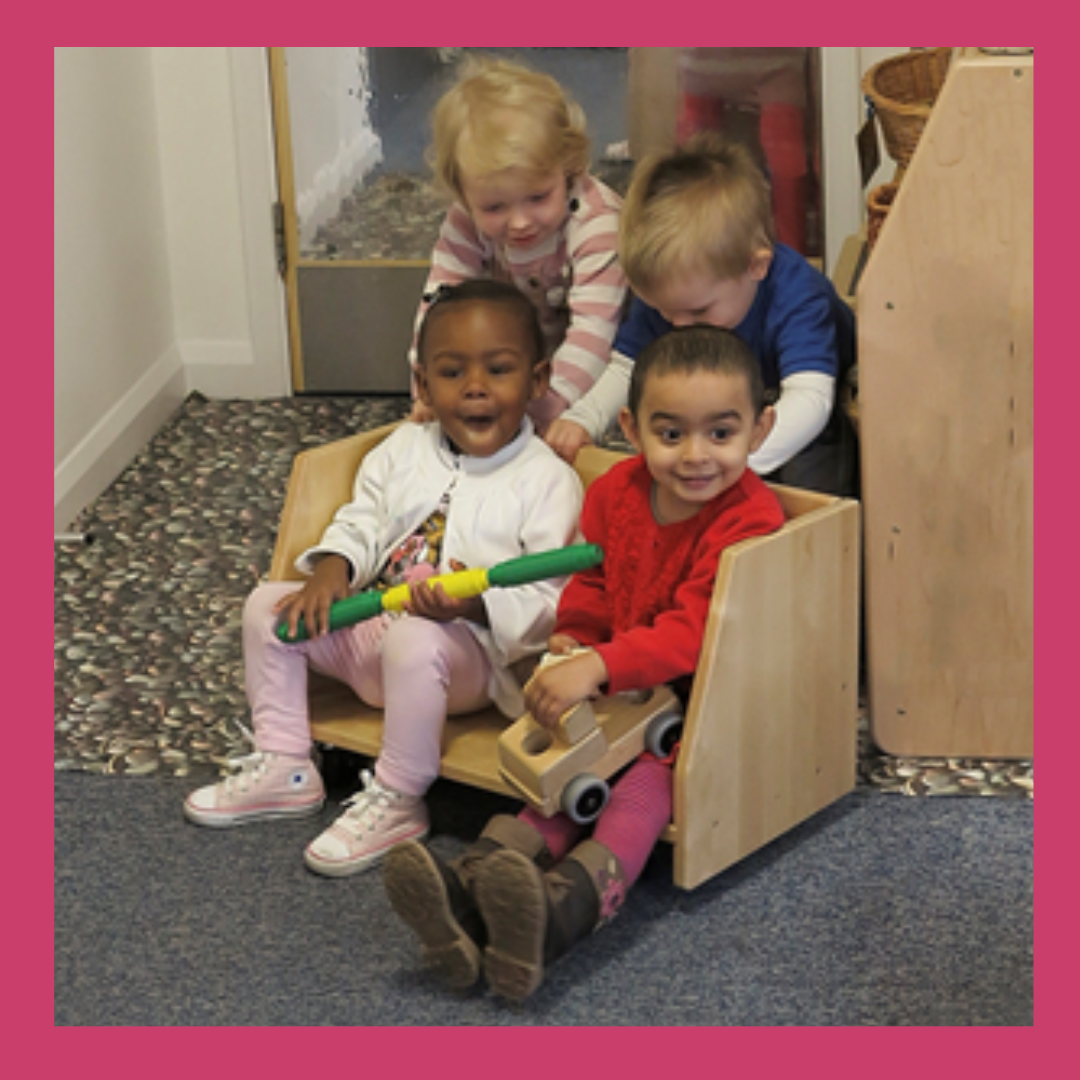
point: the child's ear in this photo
(541, 376)
(630, 429)
(760, 263)
(762, 428)
(422, 392)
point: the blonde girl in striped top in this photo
(510, 148)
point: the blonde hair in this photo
(704, 207)
(501, 115)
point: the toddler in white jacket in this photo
(473, 488)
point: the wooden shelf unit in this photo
(946, 366)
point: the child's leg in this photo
(435, 899)
(276, 672)
(639, 811)
(279, 779)
(560, 832)
(532, 918)
(429, 670)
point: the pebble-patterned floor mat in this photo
(147, 666)
(148, 674)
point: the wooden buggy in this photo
(770, 731)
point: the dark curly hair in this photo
(489, 291)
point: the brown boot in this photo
(533, 918)
(435, 899)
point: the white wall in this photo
(117, 371)
(165, 277)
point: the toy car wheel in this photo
(663, 732)
(584, 797)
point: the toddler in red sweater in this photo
(531, 887)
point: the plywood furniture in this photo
(946, 361)
(770, 732)
(568, 768)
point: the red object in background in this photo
(783, 141)
(782, 135)
(757, 100)
(698, 112)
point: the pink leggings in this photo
(630, 824)
(419, 671)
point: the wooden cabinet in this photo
(946, 363)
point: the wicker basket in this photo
(903, 90)
(878, 203)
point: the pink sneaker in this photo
(265, 786)
(376, 820)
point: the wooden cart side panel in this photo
(946, 374)
(321, 480)
(770, 737)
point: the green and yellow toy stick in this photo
(459, 586)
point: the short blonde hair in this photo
(500, 115)
(704, 207)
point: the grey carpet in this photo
(880, 911)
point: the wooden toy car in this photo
(567, 768)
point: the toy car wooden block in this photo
(567, 769)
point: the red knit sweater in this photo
(644, 608)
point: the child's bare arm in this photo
(562, 644)
(328, 582)
(566, 438)
(555, 688)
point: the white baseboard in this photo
(228, 369)
(115, 440)
(216, 369)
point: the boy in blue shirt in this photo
(697, 243)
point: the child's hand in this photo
(566, 438)
(431, 602)
(329, 582)
(544, 411)
(556, 688)
(562, 644)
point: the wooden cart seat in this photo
(770, 732)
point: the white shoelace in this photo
(248, 766)
(366, 807)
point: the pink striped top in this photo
(574, 280)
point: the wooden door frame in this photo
(289, 222)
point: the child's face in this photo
(517, 207)
(477, 375)
(696, 432)
(699, 297)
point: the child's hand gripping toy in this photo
(460, 585)
(568, 768)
